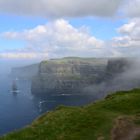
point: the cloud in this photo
(56, 39)
(71, 8)
(127, 28)
(61, 8)
(129, 34)
(128, 42)
(132, 8)
(59, 38)
(17, 55)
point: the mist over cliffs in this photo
(67, 76)
(94, 77)
(25, 72)
(87, 76)
(121, 74)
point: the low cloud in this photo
(71, 8)
(61, 8)
(132, 8)
(19, 55)
(59, 38)
(55, 39)
(129, 34)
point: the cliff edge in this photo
(115, 118)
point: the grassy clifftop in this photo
(66, 60)
(115, 118)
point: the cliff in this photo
(115, 118)
(117, 66)
(122, 74)
(75, 75)
(67, 75)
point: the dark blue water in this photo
(19, 110)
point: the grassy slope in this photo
(91, 122)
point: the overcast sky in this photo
(42, 29)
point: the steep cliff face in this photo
(117, 66)
(123, 74)
(63, 76)
(82, 75)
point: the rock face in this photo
(123, 74)
(116, 67)
(67, 75)
(80, 75)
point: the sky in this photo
(35, 30)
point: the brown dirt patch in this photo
(125, 129)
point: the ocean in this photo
(19, 110)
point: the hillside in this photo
(115, 118)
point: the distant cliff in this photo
(73, 75)
(117, 66)
(122, 74)
(26, 72)
(67, 75)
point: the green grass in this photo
(65, 60)
(82, 123)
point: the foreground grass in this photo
(92, 122)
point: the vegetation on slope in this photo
(115, 118)
(66, 60)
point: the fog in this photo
(126, 80)
(7, 64)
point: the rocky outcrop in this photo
(67, 75)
